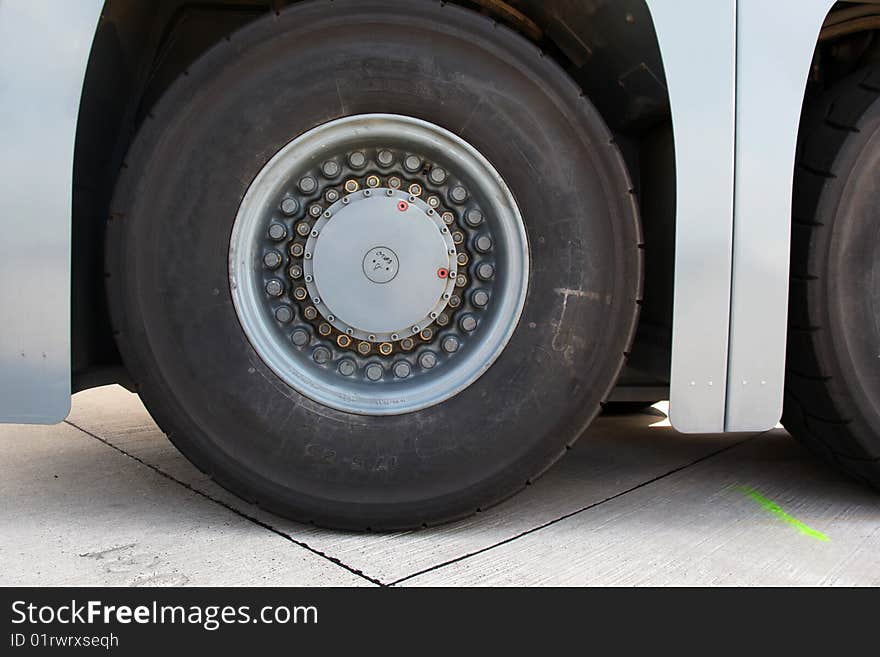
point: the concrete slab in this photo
(699, 527)
(77, 512)
(616, 455)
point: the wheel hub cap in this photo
(378, 265)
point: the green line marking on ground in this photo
(776, 510)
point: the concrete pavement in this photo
(104, 499)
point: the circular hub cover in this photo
(379, 263)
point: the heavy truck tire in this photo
(832, 399)
(374, 264)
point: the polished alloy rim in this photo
(378, 264)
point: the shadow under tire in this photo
(168, 263)
(832, 401)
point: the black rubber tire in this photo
(177, 198)
(832, 400)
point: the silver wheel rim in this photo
(378, 264)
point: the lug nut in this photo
(322, 355)
(296, 250)
(289, 206)
(324, 330)
(300, 337)
(331, 196)
(448, 218)
(347, 367)
(330, 169)
(437, 175)
(277, 232)
(295, 272)
(486, 271)
(386, 158)
(415, 189)
(434, 202)
(473, 217)
(308, 185)
(450, 344)
(386, 348)
(412, 163)
(480, 298)
(303, 229)
(458, 194)
(461, 281)
(426, 334)
(407, 343)
(428, 360)
(315, 211)
(454, 302)
(300, 293)
(272, 259)
(483, 244)
(284, 314)
(343, 341)
(468, 324)
(351, 186)
(402, 369)
(364, 348)
(274, 288)
(462, 259)
(442, 319)
(310, 313)
(373, 181)
(374, 372)
(458, 237)
(394, 182)
(357, 159)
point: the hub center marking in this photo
(381, 265)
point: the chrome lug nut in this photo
(374, 372)
(322, 355)
(296, 250)
(303, 229)
(385, 158)
(289, 206)
(428, 360)
(274, 288)
(277, 232)
(295, 272)
(272, 259)
(486, 271)
(483, 244)
(284, 314)
(434, 202)
(412, 163)
(402, 369)
(357, 160)
(468, 324)
(331, 196)
(347, 367)
(330, 169)
(315, 211)
(438, 175)
(308, 185)
(450, 344)
(461, 281)
(458, 194)
(300, 337)
(473, 218)
(480, 298)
